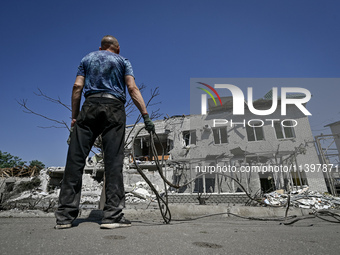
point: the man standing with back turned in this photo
(103, 75)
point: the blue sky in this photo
(167, 42)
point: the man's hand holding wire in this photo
(149, 126)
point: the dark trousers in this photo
(103, 116)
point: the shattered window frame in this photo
(205, 184)
(255, 133)
(282, 132)
(220, 135)
(189, 137)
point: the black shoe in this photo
(120, 222)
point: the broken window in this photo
(267, 182)
(169, 145)
(284, 132)
(255, 133)
(143, 151)
(189, 137)
(142, 148)
(220, 135)
(205, 184)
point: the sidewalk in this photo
(178, 211)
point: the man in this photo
(104, 76)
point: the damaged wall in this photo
(194, 141)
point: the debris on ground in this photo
(303, 198)
(36, 193)
(140, 192)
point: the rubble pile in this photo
(91, 190)
(140, 192)
(303, 198)
(34, 199)
(42, 196)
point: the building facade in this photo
(222, 153)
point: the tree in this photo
(8, 161)
(37, 163)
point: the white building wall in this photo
(302, 143)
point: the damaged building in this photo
(221, 156)
(259, 153)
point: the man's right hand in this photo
(73, 122)
(149, 126)
(69, 137)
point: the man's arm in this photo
(135, 94)
(139, 102)
(76, 97)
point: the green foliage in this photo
(37, 163)
(7, 160)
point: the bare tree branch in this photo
(129, 105)
(23, 103)
(53, 100)
(155, 114)
(154, 93)
(49, 127)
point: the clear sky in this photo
(167, 42)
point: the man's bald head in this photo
(110, 43)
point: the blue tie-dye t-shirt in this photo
(105, 71)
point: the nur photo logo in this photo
(204, 97)
(239, 99)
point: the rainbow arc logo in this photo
(209, 93)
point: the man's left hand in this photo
(149, 126)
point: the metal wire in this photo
(163, 204)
